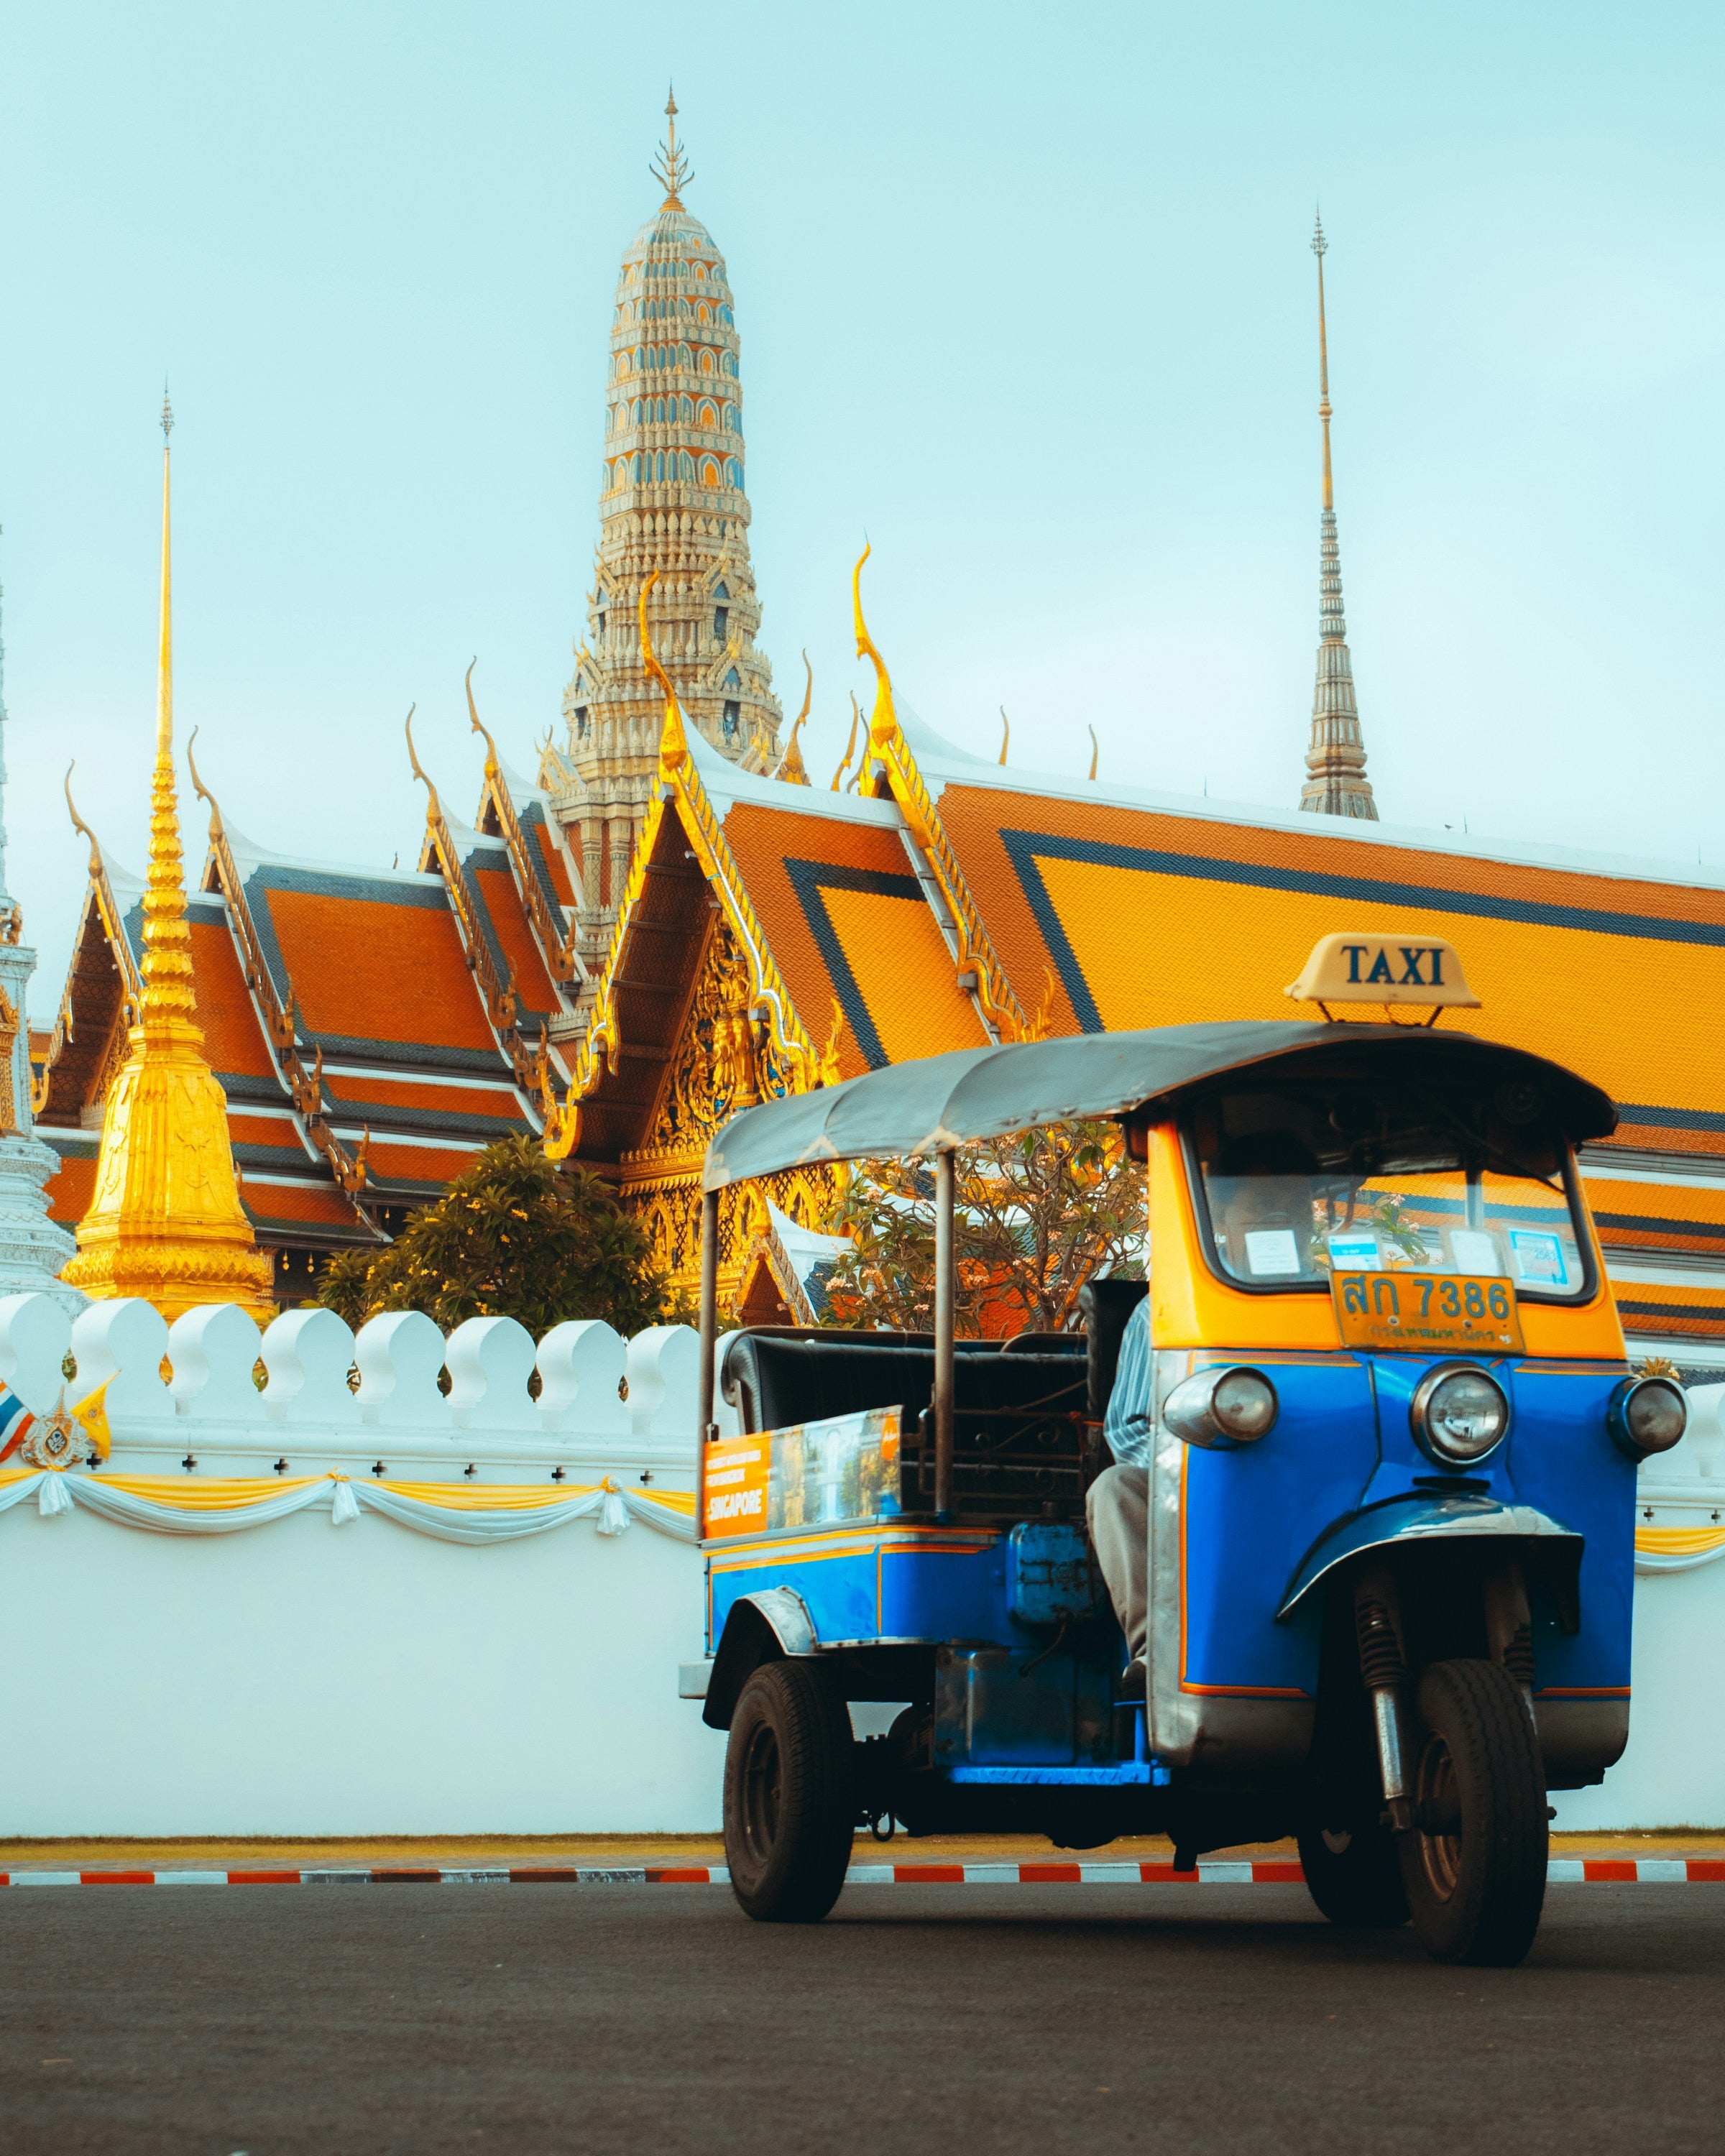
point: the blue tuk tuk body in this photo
(1338, 1608)
(1246, 1539)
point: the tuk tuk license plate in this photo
(1427, 1313)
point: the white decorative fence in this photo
(293, 1611)
(316, 1630)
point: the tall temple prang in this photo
(166, 1222)
(1336, 782)
(671, 505)
(33, 1248)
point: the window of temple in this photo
(581, 719)
(722, 617)
(710, 474)
(731, 362)
(731, 679)
(687, 409)
(685, 465)
(707, 362)
(709, 417)
(700, 269)
(733, 716)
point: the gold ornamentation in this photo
(557, 943)
(8, 1042)
(849, 745)
(790, 767)
(502, 1003)
(166, 1221)
(785, 1061)
(280, 1017)
(1000, 1007)
(717, 1070)
(1005, 735)
(830, 1072)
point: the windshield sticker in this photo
(1539, 1259)
(1472, 1250)
(1272, 1252)
(1355, 1250)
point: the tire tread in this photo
(804, 1874)
(1490, 1919)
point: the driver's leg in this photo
(1117, 1512)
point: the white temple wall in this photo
(484, 1639)
(297, 1679)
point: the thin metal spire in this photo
(670, 168)
(1320, 247)
(1336, 782)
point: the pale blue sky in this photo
(1024, 293)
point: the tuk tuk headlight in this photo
(1647, 1415)
(1459, 1414)
(1221, 1408)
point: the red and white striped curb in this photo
(1261, 1871)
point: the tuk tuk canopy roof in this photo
(940, 1101)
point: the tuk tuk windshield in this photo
(1293, 1186)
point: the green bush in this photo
(518, 1236)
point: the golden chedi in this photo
(166, 1221)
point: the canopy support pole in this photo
(944, 1283)
(709, 1318)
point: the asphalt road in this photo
(352, 2022)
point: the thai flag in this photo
(16, 1422)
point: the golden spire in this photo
(669, 167)
(166, 1221)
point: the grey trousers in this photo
(1117, 1512)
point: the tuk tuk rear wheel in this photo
(790, 1800)
(1475, 1863)
(1354, 1876)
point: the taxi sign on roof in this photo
(1393, 968)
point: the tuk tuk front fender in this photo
(763, 1627)
(1434, 1517)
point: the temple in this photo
(673, 918)
(672, 510)
(773, 936)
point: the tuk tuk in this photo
(1394, 1438)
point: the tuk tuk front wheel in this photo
(1475, 1863)
(1354, 1876)
(790, 1803)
